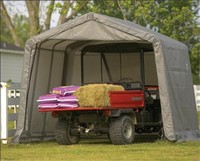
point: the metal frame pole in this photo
(142, 68)
(82, 67)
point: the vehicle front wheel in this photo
(121, 130)
(63, 135)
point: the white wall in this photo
(11, 67)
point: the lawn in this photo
(102, 150)
(12, 124)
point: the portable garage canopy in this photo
(52, 59)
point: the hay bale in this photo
(95, 95)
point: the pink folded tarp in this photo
(48, 98)
(67, 99)
(48, 105)
(67, 105)
(64, 90)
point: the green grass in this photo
(11, 124)
(102, 150)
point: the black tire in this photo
(122, 130)
(63, 135)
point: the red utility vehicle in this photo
(135, 110)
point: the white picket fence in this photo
(10, 94)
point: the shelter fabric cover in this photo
(172, 66)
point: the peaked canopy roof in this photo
(75, 30)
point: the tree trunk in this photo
(121, 9)
(63, 12)
(33, 11)
(17, 40)
(48, 15)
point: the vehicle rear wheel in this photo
(63, 135)
(122, 130)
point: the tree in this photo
(176, 19)
(33, 11)
(5, 33)
(67, 10)
(6, 18)
(195, 62)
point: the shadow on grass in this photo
(103, 139)
(141, 138)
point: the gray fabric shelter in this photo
(52, 59)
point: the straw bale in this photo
(95, 95)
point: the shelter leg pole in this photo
(82, 67)
(107, 68)
(120, 61)
(4, 114)
(142, 71)
(101, 68)
(64, 75)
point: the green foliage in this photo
(22, 27)
(58, 6)
(5, 35)
(195, 61)
(105, 7)
(175, 19)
